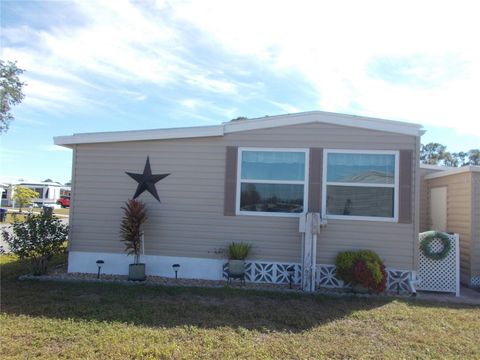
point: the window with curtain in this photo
(361, 184)
(271, 181)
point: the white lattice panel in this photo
(397, 280)
(440, 275)
(326, 277)
(269, 272)
(475, 281)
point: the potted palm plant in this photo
(135, 215)
(237, 253)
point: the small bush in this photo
(344, 263)
(238, 251)
(363, 267)
(37, 239)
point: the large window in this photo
(361, 184)
(272, 182)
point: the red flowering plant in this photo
(363, 268)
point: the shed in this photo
(451, 203)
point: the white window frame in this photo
(297, 182)
(353, 217)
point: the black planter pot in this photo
(136, 272)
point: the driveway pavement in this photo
(467, 296)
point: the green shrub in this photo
(372, 262)
(345, 262)
(363, 267)
(37, 239)
(238, 251)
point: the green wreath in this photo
(425, 245)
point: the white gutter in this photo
(436, 167)
(454, 171)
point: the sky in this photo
(128, 65)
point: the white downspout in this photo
(309, 225)
(314, 260)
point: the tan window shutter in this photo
(230, 180)
(315, 179)
(405, 187)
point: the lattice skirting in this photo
(397, 280)
(269, 272)
(475, 281)
(277, 273)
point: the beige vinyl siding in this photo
(475, 257)
(459, 214)
(190, 220)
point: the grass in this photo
(14, 214)
(61, 211)
(109, 321)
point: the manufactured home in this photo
(250, 180)
(47, 192)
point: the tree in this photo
(10, 91)
(462, 158)
(23, 196)
(474, 157)
(437, 154)
(48, 180)
(37, 239)
(432, 153)
(451, 159)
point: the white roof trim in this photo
(454, 171)
(324, 117)
(437, 167)
(155, 134)
(244, 125)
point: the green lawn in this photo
(61, 211)
(107, 321)
(11, 215)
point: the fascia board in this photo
(141, 135)
(324, 117)
(463, 169)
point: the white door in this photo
(438, 208)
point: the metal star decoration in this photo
(147, 180)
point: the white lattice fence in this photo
(440, 275)
(475, 281)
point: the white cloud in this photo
(331, 44)
(191, 103)
(56, 148)
(212, 85)
(121, 45)
(196, 105)
(287, 108)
